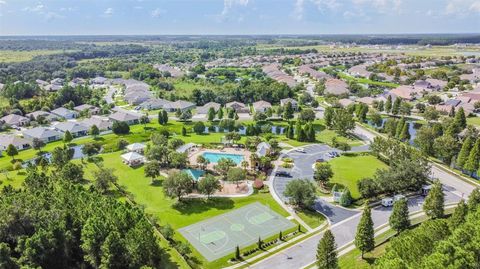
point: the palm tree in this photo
(244, 165)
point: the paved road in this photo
(344, 226)
(108, 96)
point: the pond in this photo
(412, 128)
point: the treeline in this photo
(439, 243)
(404, 39)
(246, 92)
(55, 223)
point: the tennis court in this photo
(219, 236)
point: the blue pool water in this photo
(213, 157)
(195, 174)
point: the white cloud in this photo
(228, 5)
(324, 5)
(156, 13)
(382, 6)
(298, 10)
(462, 7)
(3, 2)
(36, 9)
(108, 12)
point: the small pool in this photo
(214, 157)
(195, 174)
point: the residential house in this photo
(261, 106)
(336, 87)
(99, 80)
(64, 113)
(18, 142)
(42, 133)
(285, 101)
(103, 124)
(345, 102)
(205, 108)
(92, 110)
(238, 107)
(366, 100)
(47, 116)
(409, 93)
(15, 120)
(273, 71)
(123, 116)
(75, 129)
(154, 103)
(179, 105)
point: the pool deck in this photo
(238, 151)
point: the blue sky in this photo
(81, 17)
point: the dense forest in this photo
(54, 223)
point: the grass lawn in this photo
(349, 169)
(473, 121)
(311, 218)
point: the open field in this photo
(408, 50)
(348, 170)
(23, 56)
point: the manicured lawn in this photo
(23, 56)
(311, 218)
(474, 121)
(348, 170)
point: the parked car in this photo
(333, 154)
(301, 150)
(387, 202)
(282, 174)
(426, 189)
(321, 160)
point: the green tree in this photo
(220, 113)
(67, 137)
(464, 152)
(365, 236)
(425, 140)
(237, 253)
(326, 252)
(177, 185)
(6, 259)
(459, 215)
(323, 173)
(113, 252)
(224, 165)
(236, 174)
(388, 104)
(72, 172)
(12, 151)
(103, 178)
(211, 114)
(94, 131)
(199, 127)
(396, 105)
(343, 121)
(288, 111)
(301, 193)
(474, 200)
(208, 185)
(38, 144)
(399, 220)
(346, 198)
(434, 202)
(152, 169)
(184, 131)
(446, 147)
(405, 134)
(472, 162)
(460, 120)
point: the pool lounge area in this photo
(214, 157)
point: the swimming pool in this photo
(194, 173)
(214, 157)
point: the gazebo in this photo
(136, 147)
(133, 158)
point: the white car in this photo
(301, 150)
(398, 197)
(387, 202)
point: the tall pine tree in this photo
(464, 152)
(326, 252)
(460, 119)
(365, 236)
(472, 162)
(434, 202)
(388, 104)
(399, 220)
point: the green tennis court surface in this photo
(218, 236)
